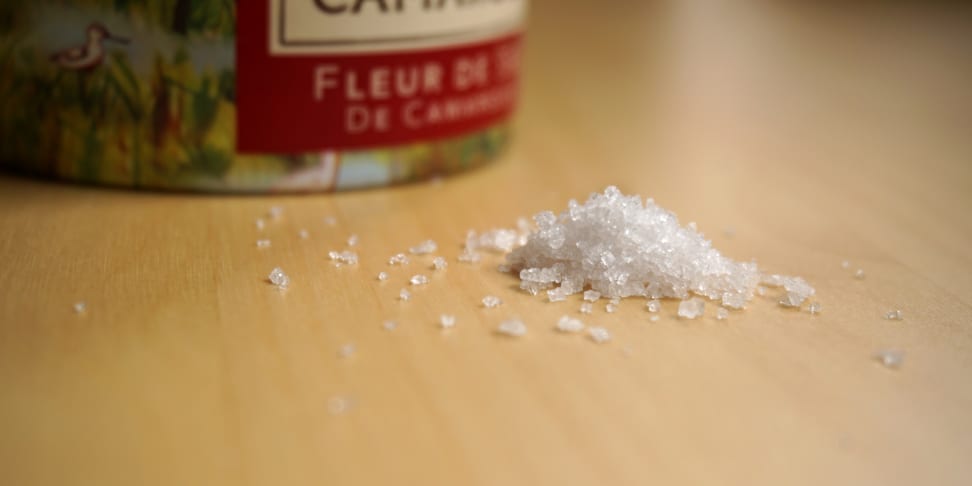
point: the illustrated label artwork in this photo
(344, 74)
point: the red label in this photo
(308, 102)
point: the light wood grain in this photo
(818, 134)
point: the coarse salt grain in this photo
(691, 308)
(653, 318)
(722, 313)
(418, 280)
(814, 308)
(275, 212)
(611, 307)
(556, 295)
(390, 325)
(338, 405)
(469, 257)
(447, 321)
(264, 243)
(890, 358)
(347, 350)
(591, 295)
(398, 259)
(894, 315)
(599, 335)
(569, 324)
(279, 278)
(491, 301)
(512, 327)
(653, 305)
(424, 248)
(404, 295)
(382, 276)
(439, 263)
(260, 224)
(586, 308)
(352, 240)
(348, 257)
(845, 264)
(303, 234)
(859, 274)
(80, 307)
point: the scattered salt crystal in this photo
(610, 307)
(419, 280)
(398, 259)
(691, 308)
(404, 295)
(491, 301)
(439, 263)
(556, 295)
(424, 248)
(653, 318)
(80, 307)
(599, 335)
(845, 264)
(447, 321)
(569, 324)
(330, 220)
(260, 224)
(591, 295)
(389, 325)
(338, 405)
(279, 278)
(275, 212)
(761, 290)
(586, 308)
(653, 305)
(347, 350)
(894, 315)
(264, 243)
(303, 234)
(512, 327)
(814, 308)
(468, 256)
(382, 276)
(352, 240)
(348, 257)
(615, 301)
(859, 274)
(498, 240)
(890, 358)
(722, 313)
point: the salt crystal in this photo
(382, 276)
(338, 405)
(859, 274)
(653, 305)
(347, 350)
(389, 325)
(303, 234)
(569, 324)
(469, 257)
(691, 308)
(348, 257)
(404, 295)
(447, 321)
(586, 308)
(610, 307)
(352, 240)
(894, 315)
(491, 301)
(260, 224)
(279, 278)
(497, 240)
(398, 259)
(615, 301)
(622, 246)
(439, 263)
(556, 295)
(845, 264)
(330, 220)
(890, 358)
(263, 243)
(275, 212)
(419, 280)
(512, 327)
(653, 318)
(591, 295)
(424, 248)
(80, 307)
(722, 313)
(599, 335)
(814, 308)
(761, 290)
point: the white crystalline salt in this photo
(303, 234)
(586, 308)
(352, 240)
(611, 307)
(653, 318)
(653, 305)
(260, 224)
(859, 274)
(389, 325)
(398, 259)
(468, 256)
(797, 289)
(814, 308)
(404, 295)
(382, 276)
(447, 321)
(556, 295)
(80, 307)
(491, 301)
(347, 350)
(894, 315)
(512, 327)
(264, 243)
(845, 264)
(722, 313)
(348, 257)
(275, 212)
(890, 358)
(691, 308)
(569, 324)
(761, 290)
(439, 263)
(419, 280)
(424, 248)
(621, 246)
(599, 335)
(497, 240)
(591, 295)
(279, 278)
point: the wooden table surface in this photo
(818, 134)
